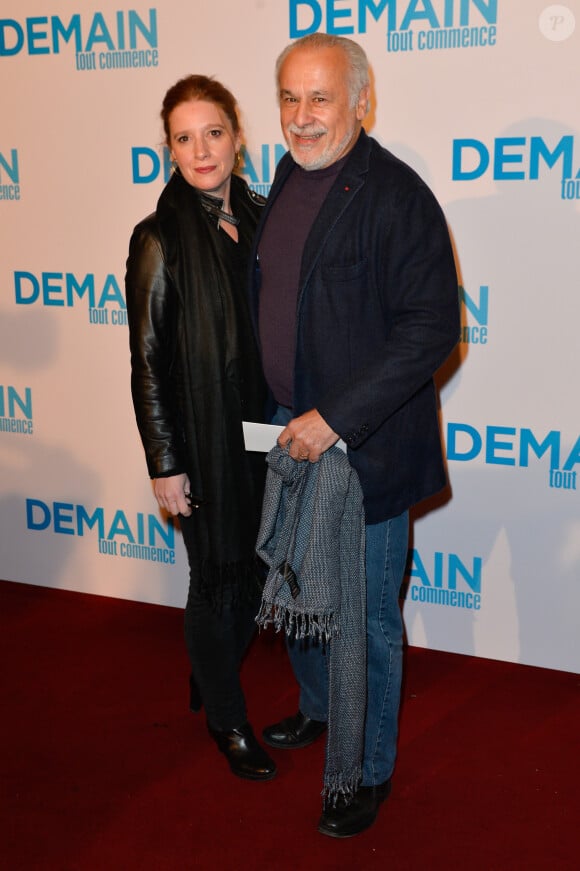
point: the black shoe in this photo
(293, 732)
(245, 756)
(346, 820)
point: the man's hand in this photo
(309, 436)
(170, 494)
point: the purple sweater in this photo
(280, 252)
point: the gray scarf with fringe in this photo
(312, 538)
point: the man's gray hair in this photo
(355, 56)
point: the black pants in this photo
(216, 641)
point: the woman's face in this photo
(203, 144)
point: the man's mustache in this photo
(307, 130)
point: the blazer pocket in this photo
(334, 274)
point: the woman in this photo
(195, 376)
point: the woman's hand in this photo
(170, 494)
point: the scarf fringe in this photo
(298, 624)
(340, 786)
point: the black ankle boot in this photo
(348, 819)
(245, 756)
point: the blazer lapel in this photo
(349, 182)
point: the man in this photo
(355, 295)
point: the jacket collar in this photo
(346, 186)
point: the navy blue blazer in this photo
(378, 313)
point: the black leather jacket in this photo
(167, 376)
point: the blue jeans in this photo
(386, 555)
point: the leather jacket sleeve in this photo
(151, 309)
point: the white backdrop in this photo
(481, 97)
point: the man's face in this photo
(318, 120)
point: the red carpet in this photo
(103, 767)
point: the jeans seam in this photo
(377, 743)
